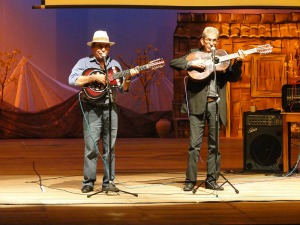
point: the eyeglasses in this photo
(208, 40)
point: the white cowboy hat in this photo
(100, 37)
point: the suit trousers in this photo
(197, 127)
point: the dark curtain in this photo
(65, 121)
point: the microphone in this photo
(104, 60)
(107, 79)
(213, 53)
(104, 57)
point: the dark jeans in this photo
(197, 126)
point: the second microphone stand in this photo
(217, 173)
(111, 187)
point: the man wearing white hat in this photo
(99, 108)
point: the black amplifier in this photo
(291, 97)
(262, 131)
(268, 117)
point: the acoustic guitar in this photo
(96, 90)
(221, 61)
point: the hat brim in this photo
(91, 42)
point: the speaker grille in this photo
(265, 150)
(262, 142)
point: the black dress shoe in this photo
(213, 185)
(110, 187)
(188, 187)
(87, 189)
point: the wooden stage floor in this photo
(41, 181)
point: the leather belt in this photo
(99, 105)
(210, 99)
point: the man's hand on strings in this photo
(132, 72)
(241, 54)
(99, 77)
(197, 63)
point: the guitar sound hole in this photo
(199, 70)
(97, 87)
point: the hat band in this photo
(100, 39)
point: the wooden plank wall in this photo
(263, 75)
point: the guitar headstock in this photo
(264, 49)
(156, 64)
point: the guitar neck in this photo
(127, 72)
(236, 55)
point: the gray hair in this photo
(210, 30)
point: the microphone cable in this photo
(296, 166)
(90, 132)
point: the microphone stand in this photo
(111, 187)
(217, 173)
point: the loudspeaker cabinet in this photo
(262, 132)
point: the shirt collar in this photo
(93, 59)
